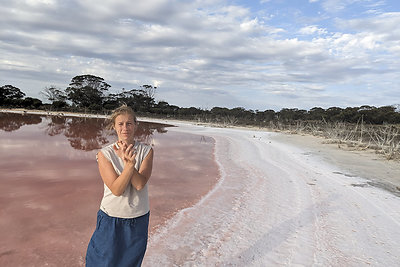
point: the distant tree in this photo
(301, 114)
(56, 96)
(87, 91)
(266, 116)
(239, 112)
(219, 111)
(386, 114)
(269, 115)
(141, 100)
(242, 115)
(163, 108)
(316, 113)
(259, 116)
(368, 114)
(111, 101)
(333, 114)
(189, 112)
(149, 90)
(291, 114)
(350, 114)
(9, 95)
(52, 93)
(31, 103)
(136, 99)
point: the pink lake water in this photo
(51, 190)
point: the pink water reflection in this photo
(50, 187)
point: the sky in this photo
(259, 55)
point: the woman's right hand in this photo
(126, 152)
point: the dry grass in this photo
(384, 139)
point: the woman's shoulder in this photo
(144, 148)
(142, 145)
(108, 147)
(108, 150)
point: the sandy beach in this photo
(280, 200)
(286, 200)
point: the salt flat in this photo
(275, 205)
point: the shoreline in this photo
(374, 167)
(52, 113)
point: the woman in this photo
(120, 238)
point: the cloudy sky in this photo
(267, 54)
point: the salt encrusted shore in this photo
(353, 162)
(53, 113)
(283, 203)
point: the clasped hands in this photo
(126, 152)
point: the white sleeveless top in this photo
(132, 203)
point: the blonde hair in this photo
(123, 109)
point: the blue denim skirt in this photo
(118, 242)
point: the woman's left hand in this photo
(126, 152)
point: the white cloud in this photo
(383, 23)
(312, 29)
(379, 32)
(333, 6)
(249, 25)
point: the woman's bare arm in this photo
(141, 177)
(117, 184)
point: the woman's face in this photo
(125, 126)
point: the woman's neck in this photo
(128, 142)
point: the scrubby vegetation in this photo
(384, 139)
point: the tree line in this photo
(89, 93)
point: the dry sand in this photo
(367, 164)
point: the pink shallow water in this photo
(50, 187)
